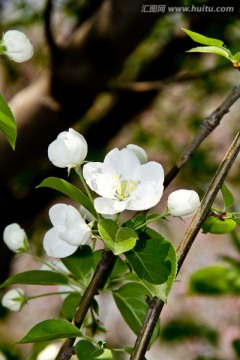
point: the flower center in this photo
(124, 188)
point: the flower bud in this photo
(14, 299)
(183, 203)
(68, 150)
(17, 46)
(15, 238)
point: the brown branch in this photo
(182, 76)
(98, 281)
(208, 125)
(47, 26)
(157, 304)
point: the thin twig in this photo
(144, 86)
(97, 282)
(157, 304)
(207, 126)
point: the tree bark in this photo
(78, 71)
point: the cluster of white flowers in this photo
(125, 180)
(16, 45)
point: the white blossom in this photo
(15, 238)
(183, 203)
(68, 232)
(68, 150)
(17, 46)
(14, 299)
(123, 183)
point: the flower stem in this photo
(48, 294)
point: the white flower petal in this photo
(18, 46)
(96, 179)
(140, 152)
(56, 247)
(146, 196)
(75, 233)
(86, 214)
(152, 171)
(121, 162)
(109, 206)
(57, 214)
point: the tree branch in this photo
(155, 308)
(47, 26)
(98, 281)
(207, 126)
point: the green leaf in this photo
(213, 50)
(118, 239)
(135, 221)
(36, 277)
(80, 264)
(214, 280)
(215, 226)
(70, 305)
(183, 328)
(120, 268)
(7, 122)
(70, 190)
(131, 302)
(236, 56)
(149, 258)
(227, 196)
(154, 260)
(87, 351)
(201, 39)
(50, 330)
(141, 220)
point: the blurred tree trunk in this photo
(78, 71)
